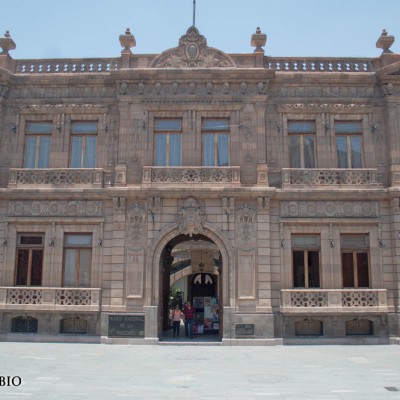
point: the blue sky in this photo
(90, 28)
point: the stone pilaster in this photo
(118, 252)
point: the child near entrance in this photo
(176, 320)
(188, 312)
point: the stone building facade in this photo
(274, 181)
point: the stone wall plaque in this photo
(244, 329)
(126, 326)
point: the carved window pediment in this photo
(193, 52)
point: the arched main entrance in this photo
(192, 273)
(208, 261)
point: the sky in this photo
(91, 28)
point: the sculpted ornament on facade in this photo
(192, 52)
(136, 221)
(246, 222)
(191, 218)
(335, 209)
(54, 208)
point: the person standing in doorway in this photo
(176, 320)
(188, 312)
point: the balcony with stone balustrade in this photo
(329, 177)
(59, 178)
(50, 299)
(206, 176)
(333, 301)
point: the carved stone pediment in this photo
(191, 218)
(192, 52)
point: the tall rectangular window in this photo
(37, 144)
(215, 139)
(29, 260)
(355, 260)
(349, 144)
(302, 144)
(305, 261)
(83, 145)
(77, 260)
(168, 142)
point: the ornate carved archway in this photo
(154, 262)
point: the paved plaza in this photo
(99, 371)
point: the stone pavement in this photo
(99, 371)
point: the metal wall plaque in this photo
(126, 326)
(244, 329)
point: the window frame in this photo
(302, 135)
(30, 248)
(355, 252)
(84, 137)
(349, 136)
(168, 134)
(305, 249)
(77, 248)
(215, 132)
(38, 136)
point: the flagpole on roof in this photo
(194, 12)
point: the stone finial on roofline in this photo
(127, 41)
(258, 40)
(7, 44)
(384, 42)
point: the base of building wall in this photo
(338, 341)
(129, 341)
(251, 342)
(39, 338)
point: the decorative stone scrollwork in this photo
(334, 209)
(57, 177)
(24, 296)
(71, 297)
(322, 177)
(192, 175)
(246, 222)
(360, 299)
(54, 208)
(136, 221)
(309, 299)
(191, 218)
(192, 52)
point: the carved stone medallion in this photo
(191, 218)
(136, 221)
(192, 52)
(246, 222)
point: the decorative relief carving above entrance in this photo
(335, 209)
(136, 221)
(246, 222)
(191, 218)
(54, 208)
(192, 52)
